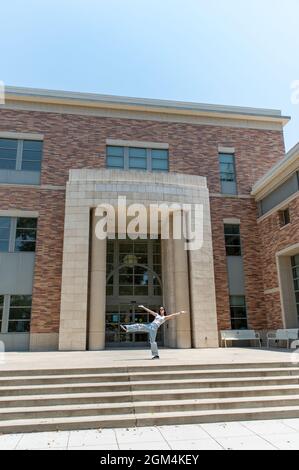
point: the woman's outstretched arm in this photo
(148, 310)
(173, 315)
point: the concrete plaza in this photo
(247, 435)
(142, 357)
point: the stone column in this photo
(287, 293)
(97, 292)
(202, 286)
(74, 289)
(181, 279)
(168, 290)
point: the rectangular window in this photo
(135, 158)
(160, 160)
(284, 217)
(25, 234)
(17, 234)
(232, 240)
(115, 157)
(295, 269)
(25, 155)
(238, 312)
(4, 233)
(32, 155)
(227, 173)
(8, 154)
(1, 310)
(19, 314)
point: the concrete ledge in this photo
(44, 342)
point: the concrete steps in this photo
(142, 376)
(47, 400)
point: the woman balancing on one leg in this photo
(151, 328)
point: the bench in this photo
(283, 335)
(239, 335)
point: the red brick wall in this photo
(245, 210)
(273, 239)
(74, 141)
(48, 261)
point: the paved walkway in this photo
(248, 435)
(140, 357)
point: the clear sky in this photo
(237, 52)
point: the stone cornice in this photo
(74, 102)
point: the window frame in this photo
(284, 217)
(238, 306)
(227, 246)
(13, 234)
(6, 309)
(8, 148)
(224, 181)
(20, 155)
(149, 158)
(19, 320)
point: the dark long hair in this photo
(165, 311)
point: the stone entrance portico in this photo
(188, 276)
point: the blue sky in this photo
(210, 51)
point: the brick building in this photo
(62, 154)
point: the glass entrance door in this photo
(128, 313)
(133, 278)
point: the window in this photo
(134, 268)
(295, 269)
(25, 155)
(160, 160)
(280, 194)
(1, 310)
(19, 314)
(25, 234)
(135, 158)
(227, 173)
(32, 155)
(17, 234)
(232, 240)
(4, 233)
(238, 312)
(115, 157)
(133, 279)
(284, 217)
(8, 154)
